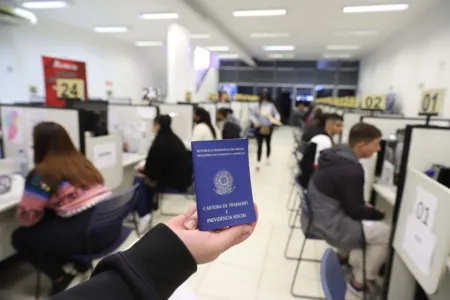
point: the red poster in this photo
(64, 79)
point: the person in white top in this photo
(204, 130)
(333, 127)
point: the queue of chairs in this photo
(331, 274)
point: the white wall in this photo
(128, 67)
(418, 56)
(208, 86)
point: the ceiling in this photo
(311, 24)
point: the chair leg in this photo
(289, 242)
(37, 291)
(289, 206)
(299, 260)
(136, 225)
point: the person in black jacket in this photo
(315, 126)
(154, 267)
(230, 129)
(340, 213)
(168, 165)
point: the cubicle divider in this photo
(134, 124)
(105, 152)
(18, 123)
(390, 124)
(182, 119)
(421, 236)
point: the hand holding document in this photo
(274, 121)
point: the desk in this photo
(129, 162)
(387, 192)
(132, 159)
(8, 222)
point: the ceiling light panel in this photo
(357, 33)
(111, 29)
(44, 4)
(159, 16)
(343, 47)
(149, 43)
(200, 36)
(260, 13)
(337, 55)
(218, 48)
(228, 56)
(280, 56)
(375, 8)
(269, 35)
(279, 48)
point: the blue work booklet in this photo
(222, 183)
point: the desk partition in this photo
(105, 152)
(18, 123)
(134, 124)
(182, 119)
(390, 125)
(423, 147)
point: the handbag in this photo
(264, 130)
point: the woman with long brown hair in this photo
(56, 207)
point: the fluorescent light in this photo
(200, 36)
(279, 55)
(218, 48)
(343, 47)
(172, 114)
(259, 13)
(159, 16)
(112, 29)
(337, 55)
(269, 35)
(44, 4)
(375, 8)
(228, 56)
(149, 43)
(279, 48)
(357, 33)
(26, 15)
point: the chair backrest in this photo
(332, 277)
(112, 211)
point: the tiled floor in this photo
(254, 270)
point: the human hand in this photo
(206, 246)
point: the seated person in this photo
(314, 126)
(320, 142)
(340, 215)
(204, 130)
(230, 130)
(324, 139)
(57, 205)
(169, 164)
(232, 117)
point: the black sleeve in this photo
(150, 270)
(352, 195)
(153, 163)
(226, 131)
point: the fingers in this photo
(230, 237)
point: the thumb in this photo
(230, 237)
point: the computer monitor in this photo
(93, 117)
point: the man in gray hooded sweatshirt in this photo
(340, 215)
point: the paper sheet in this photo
(419, 243)
(105, 155)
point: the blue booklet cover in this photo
(222, 183)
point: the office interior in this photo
(149, 58)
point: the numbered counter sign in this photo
(70, 88)
(431, 102)
(374, 102)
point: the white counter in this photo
(387, 192)
(129, 159)
(8, 222)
